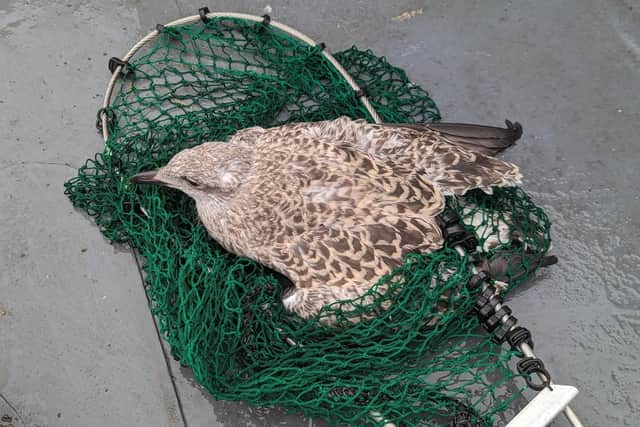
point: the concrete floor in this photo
(78, 346)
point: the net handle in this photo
(195, 18)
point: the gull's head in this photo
(212, 171)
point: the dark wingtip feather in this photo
(487, 140)
(516, 128)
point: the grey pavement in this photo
(78, 346)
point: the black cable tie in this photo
(117, 62)
(532, 365)
(363, 91)
(449, 217)
(495, 319)
(467, 240)
(486, 303)
(266, 20)
(519, 335)
(500, 333)
(110, 118)
(457, 235)
(489, 308)
(476, 281)
(203, 12)
(159, 28)
(455, 231)
(321, 46)
(99, 119)
(483, 299)
(470, 243)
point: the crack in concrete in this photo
(15, 411)
(39, 162)
(164, 352)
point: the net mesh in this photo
(418, 357)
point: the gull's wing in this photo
(488, 140)
(337, 220)
(457, 170)
(439, 151)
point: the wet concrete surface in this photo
(77, 344)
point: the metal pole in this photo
(528, 351)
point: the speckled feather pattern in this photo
(453, 169)
(332, 205)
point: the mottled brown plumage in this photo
(308, 201)
(446, 158)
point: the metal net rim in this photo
(118, 70)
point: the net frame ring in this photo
(204, 16)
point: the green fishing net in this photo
(417, 357)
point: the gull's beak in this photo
(148, 177)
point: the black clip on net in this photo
(518, 336)
(114, 63)
(496, 317)
(363, 91)
(203, 12)
(532, 365)
(110, 119)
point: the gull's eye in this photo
(191, 181)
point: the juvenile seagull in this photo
(307, 200)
